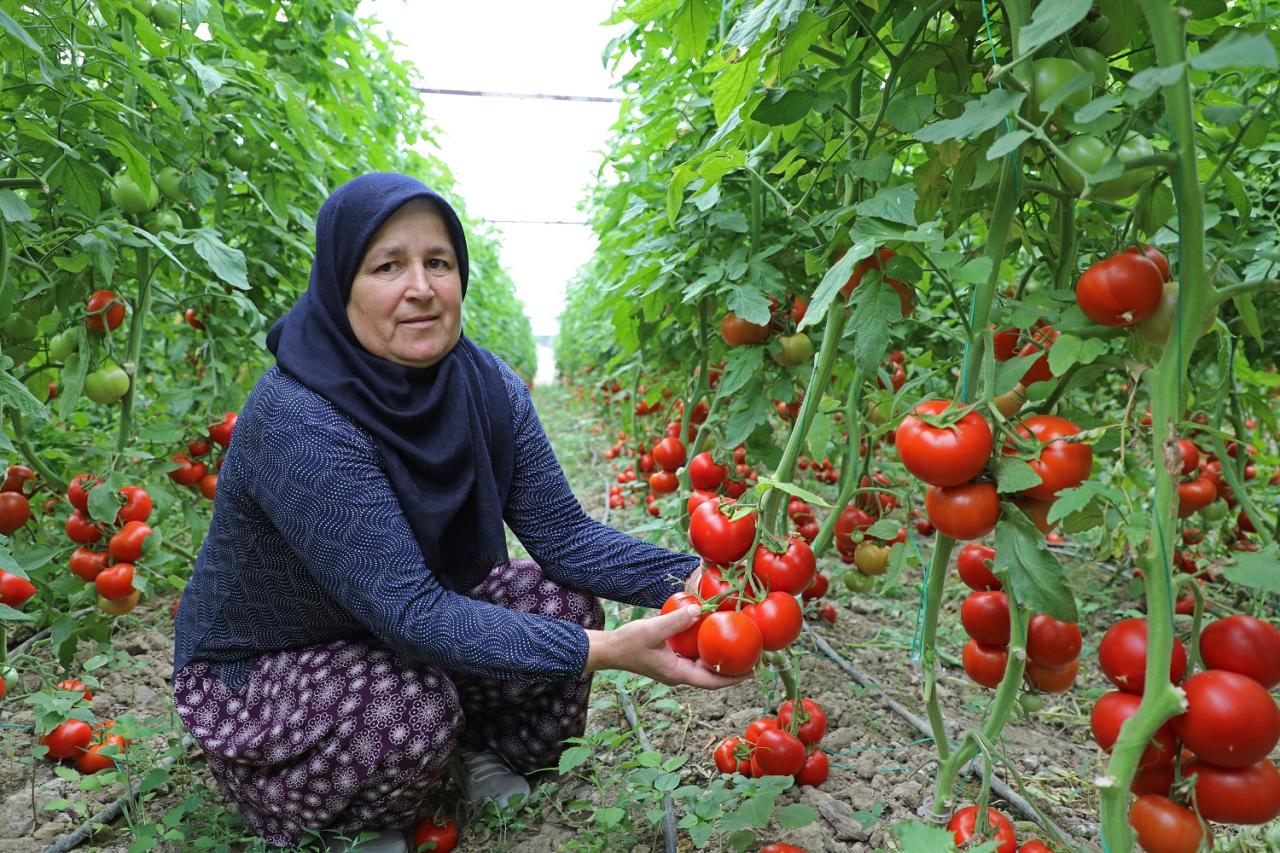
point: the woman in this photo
(353, 621)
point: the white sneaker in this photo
(387, 841)
(485, 776)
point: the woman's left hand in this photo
(641, 647)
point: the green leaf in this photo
(1237, 50)
(8, 614)
(13, 28)
(227, 263)
(1259, 570)
(1051, 20)
(896, 204)
(783, 106)
(744, 422)
(1088, 493)
(885, 529)
(1096, 109)
(807, 30)
(734, 83)
(1009, 372)
(1015, 475)
(211, 79)
(1150, 79)
(917, 837)
(908, 113)
(749, 304)
(16, 394)
(831, 283)
(13, 208)
(796, 815)
(1157, 212)
(741, 366)
(573, 758)
(105, 501)
(1034, 573)
(752, 24)
(1007, 144)
(71, 385)
(899, 555)
(819, 435)
(979, 115)
(1069, 350)
(80, 183)
(877, 306)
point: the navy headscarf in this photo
(445, 431)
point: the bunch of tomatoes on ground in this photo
(782, 745)
(90, 746)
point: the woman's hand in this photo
(691, 584)
(641, 647)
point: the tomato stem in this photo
(848, 480)
(137, 323)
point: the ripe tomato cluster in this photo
(15, 498)
(129, 539)
(93, 748)
(195, 474)
(785, 745)
(964, 826)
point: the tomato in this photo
(799, 511)
(1153, 780)
(1041, 341)
(779, 619)
(963, 825)
(779, 753)
(15, 591)
(68, 739)
(726, 757)
(1004, 343)
(781, 847)
(1112, 710)
(169, 180)
(63, 344)
(1120, 290)
(1049, 75)
(1236, 795)
(115, 581)
(129, 197)
(93, 761)
(906, 296)
(817, 588)
(137, 505)
(713, 587)
(432, 831)
(669, 453)
(857, 581)
(220, 431)
(119, 606)
(718, 539)
(1090, 154)
(126, 545)
(872, 558)
(985, 664)
(985, 616)
(757, 727)
(729, 643)
(187, 473)
(86, 563)
(1052, 643)
(795, 349)
(75, 685)
(15, 511)
(1231, 720)
(199, 447)
(1052, 679)
(81, 530)
(1123, 656)
(1196, 495)
(963, 512)
(105, 311)
(697, 498)
(828, 613)
(684, 643)
(1243, 645)
(16, 478)
(1163, 826)
(1156, 257)
(850, 520)
(1061, 464)
(704, 473)
(791, 571)
(943, 456)
(971, 564)
(661, 482)
(814, 724)
(193, 319)
(738, 332)
(78, 490)
(209, 486)
(1215, 511)
(1190, 455)
(107, 384)
(815, 770)
(1035, 846)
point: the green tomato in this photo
(1047, 77)
(63, 344)
(130, 198)
(1090, 153)
(796, 349)
(1090, 60)
(856, 581)
(107, 384)
(18, 329)
(1255, 133)
(165, 14)
(167, 220)
(1031, 702)
(239, 156)
(169, 180)
(1105, 37)
(1216, 511)
(1155, 328)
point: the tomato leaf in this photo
(1035, 575)
(783, 107)
(1051, 20)
(978, 116)
(908, 113)
(8, 614)
(13, 208)
(884, 530)
(1007, 144)
(796, 815)
(1237, 50)
(801, 493)
(897, 204)
(17, 395)
(227, 263)
(1015, 475)
(1259, 570)
(13, 28)
(876, 308)
(836, 278)
(744, 421)
(819, 435)
(1009, 372)
(74, 371)
(749, 304)
(742, 365)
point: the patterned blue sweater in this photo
(308, 545)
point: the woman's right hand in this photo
(641, 647)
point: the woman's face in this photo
(406, 299)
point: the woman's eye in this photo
(387, 267)
(437, 264)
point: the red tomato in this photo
(662, 482)
(187, 473)
(1120, 290)
(105, 311)
(1236, 795)
(1231, 720)
(78, 490)
(779, 753)
(828, 613)
(1190, 455)
(15, 591)
(729, 643)
(15, 511)
(985, 664)
(781, 847)
(1123, 656)
(1061, 464)
(220, 431)
(1038, 512)
(669, 453)
(1163, 826)
(1156, 257)
(1004, 344)
(851, 520)
(713, 586)
(1052, 679)
(738, 332)
(817, 588)
(75, 685)
(126, 544)
(1035, 846)
(685, 643)
(209, 486)
(1196, 495)
(697, 498)
(199, 447)
(757, 726)
(16, 478)
(81, 530)
(718, 539)
(704, 473)
(985, 616)
(967, 511)
(815, 770)
(93, 761)
(779, 619)
(799, 511)
(85, 563)
(137, 505)
(971, 563)
(814, 724)
(193, 319)
(791, 571)
(943, 456)
(115, 582)
(726, 757)
(443, 834)
(906, 296)
(1245, 645)
(68, 739)
(1041, 341)
(1052, 643)
(964, 824)
(1153, 780)
(1112, 710)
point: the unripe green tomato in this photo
(1050, 74)
(107, 384)
(165, 14)
(1216, 511)
(63, 344)
(38, 385)
(169, 180)
(1155, 329)
(167, 220)
(1090, 153)
(877, 414)
(239, 156)
(858, 582)
(1255, 133)
(796, 349)
(1090, 60)
(18, 329)
(129, 197)
(143, 6)
(1107, 39)
(1031, 702)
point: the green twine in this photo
(917, 639)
